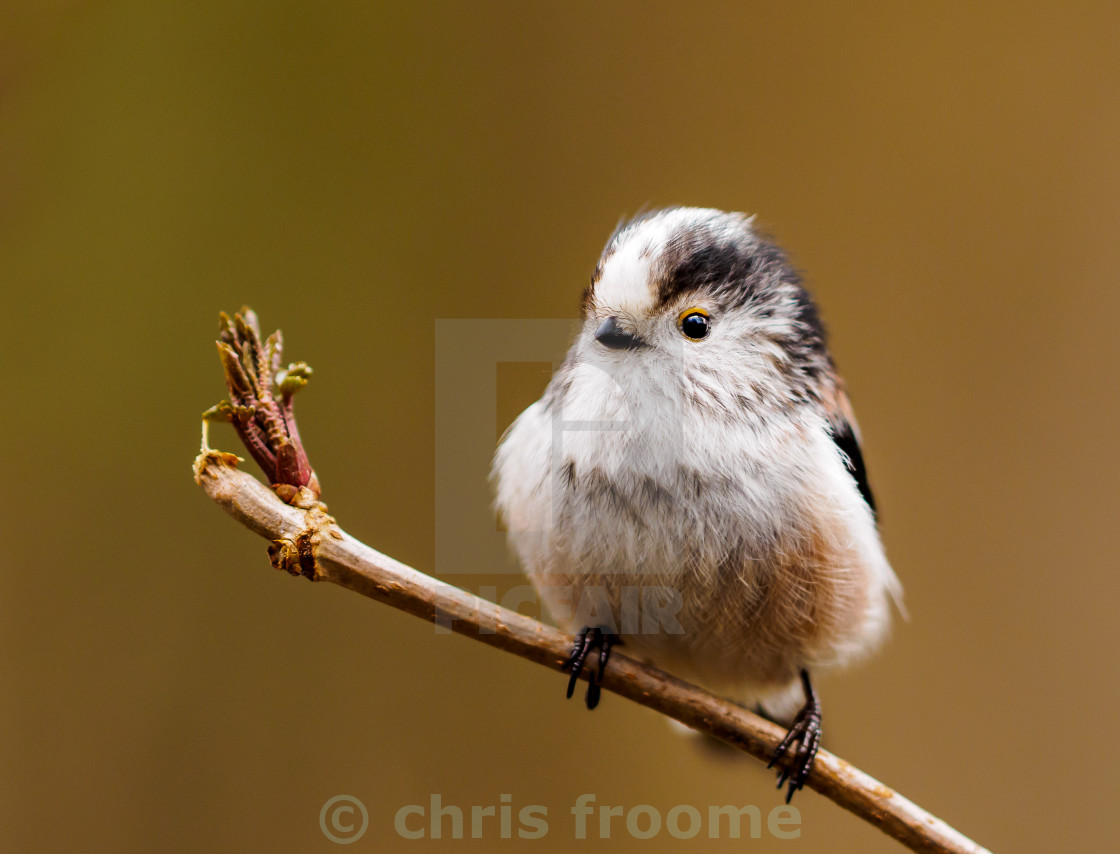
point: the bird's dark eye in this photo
(695, 323)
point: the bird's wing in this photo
(845, 433)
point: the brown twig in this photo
(306, 541)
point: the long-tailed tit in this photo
(691, 481)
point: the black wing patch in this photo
(846, 441)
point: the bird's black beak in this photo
(611, 334)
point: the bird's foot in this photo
(590, 638)
(805, 732)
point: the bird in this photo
(691, 483)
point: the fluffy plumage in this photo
(704, 498)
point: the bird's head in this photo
(701, 290)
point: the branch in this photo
(306, 541)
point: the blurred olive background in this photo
(947, 176)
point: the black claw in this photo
(593, 693)
(604, 656)
(588, 639)
(806, 733)
(576, 659)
